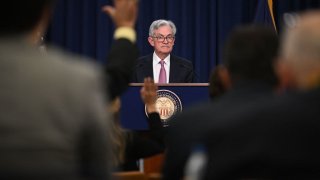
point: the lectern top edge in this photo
(174, 84)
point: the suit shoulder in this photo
(73, 66)
(145, 58)
(182, 60)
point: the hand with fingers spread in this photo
(149, 94)
(124, 13)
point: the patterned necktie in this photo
(162, 75)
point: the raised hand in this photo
(124, 13)
(149, 94)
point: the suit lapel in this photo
(174, 73)
(148, 69)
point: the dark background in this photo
(203, 25)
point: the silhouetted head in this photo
(299, 62)
(250, 53)
(22, 16)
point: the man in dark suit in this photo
(53, 120)
(162, 66)
(276, 138)
(248, 56)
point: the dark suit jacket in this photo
(276, 139)
(144, 144)
(189, 129)
(120, 66)
(181, 70)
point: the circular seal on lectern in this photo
(167, 104)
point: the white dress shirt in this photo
(157, 67)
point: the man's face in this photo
(162, 40)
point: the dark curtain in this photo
(203, 26)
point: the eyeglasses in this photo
(161, 38)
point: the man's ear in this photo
(285, 74)
(225, 77)
(151, 41)
(40, 27)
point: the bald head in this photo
(301, 50)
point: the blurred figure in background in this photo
(119, 67)
(219, 82)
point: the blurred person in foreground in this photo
(248, 57)
(276, 138)
(53, 121)
(162, 65)
(130, 146)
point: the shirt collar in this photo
(157, 59)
